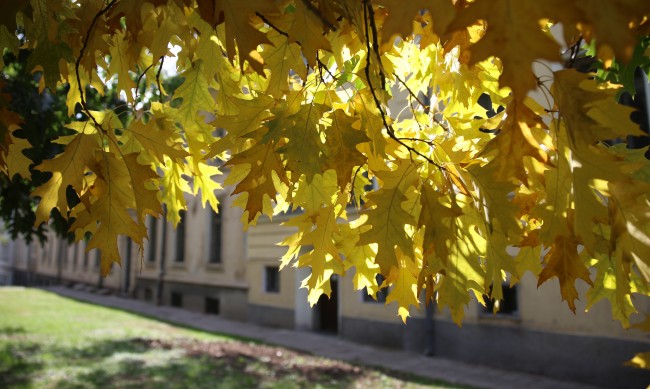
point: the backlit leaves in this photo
(563, 262)
(424, 159)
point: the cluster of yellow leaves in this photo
(380, 143)
(12, 159)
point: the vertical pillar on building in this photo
(304, 317)
(163, 254)
(127, 268)
(98, 260)
(429, 328)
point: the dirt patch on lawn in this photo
(251, 356)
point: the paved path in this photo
(333, 347)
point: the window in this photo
(180, 239)
(507, 306)
(212, 306)
(214, 254)
(153, 234)
(381, 293)
(272, 279)
(176, 300)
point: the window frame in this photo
(179, 246)
(272, 272)
(215, 246)
(153, 240)
(509, 292)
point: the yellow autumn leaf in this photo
(388, 224)
(563, 261)
(68, 169)
(504, 39)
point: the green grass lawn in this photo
(47, 341)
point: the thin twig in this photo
(574, 49)
(268, 22)
(281, 32)
(81, 54)
(389, 129)
(415, 116)
(410, 91)
(367, 72)
(160, 89)
(425, 106)
(137, 82)
(375, 40)
(429, 142)
(321, 65)
(316, 12)
(354, 179)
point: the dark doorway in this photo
(212, 306)
(327, 310)
(176, 300)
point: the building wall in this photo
(58, 261)
(542, 336)
(188, 275)
(269, 307)
(195, 267)
(6, 256)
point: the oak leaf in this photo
(515, 141)
(589, 109)
(113, 195)
(403, 279)
(563, 261)
(236, 17)
(68, 169)
(341, 153)
(261, 161)
(514, 35)
(388, 223)
(304, 152)
(306, 28)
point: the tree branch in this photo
(137, 82)
(160, 89)
(389, 128)
(321, 65)
(268, 22)
(81, 54)
(375, 40)
(316, 12)
(425, 106)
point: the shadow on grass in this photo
(201, 366)
(104, 349)
(12, 330)
(18, 363)
(139, 362)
